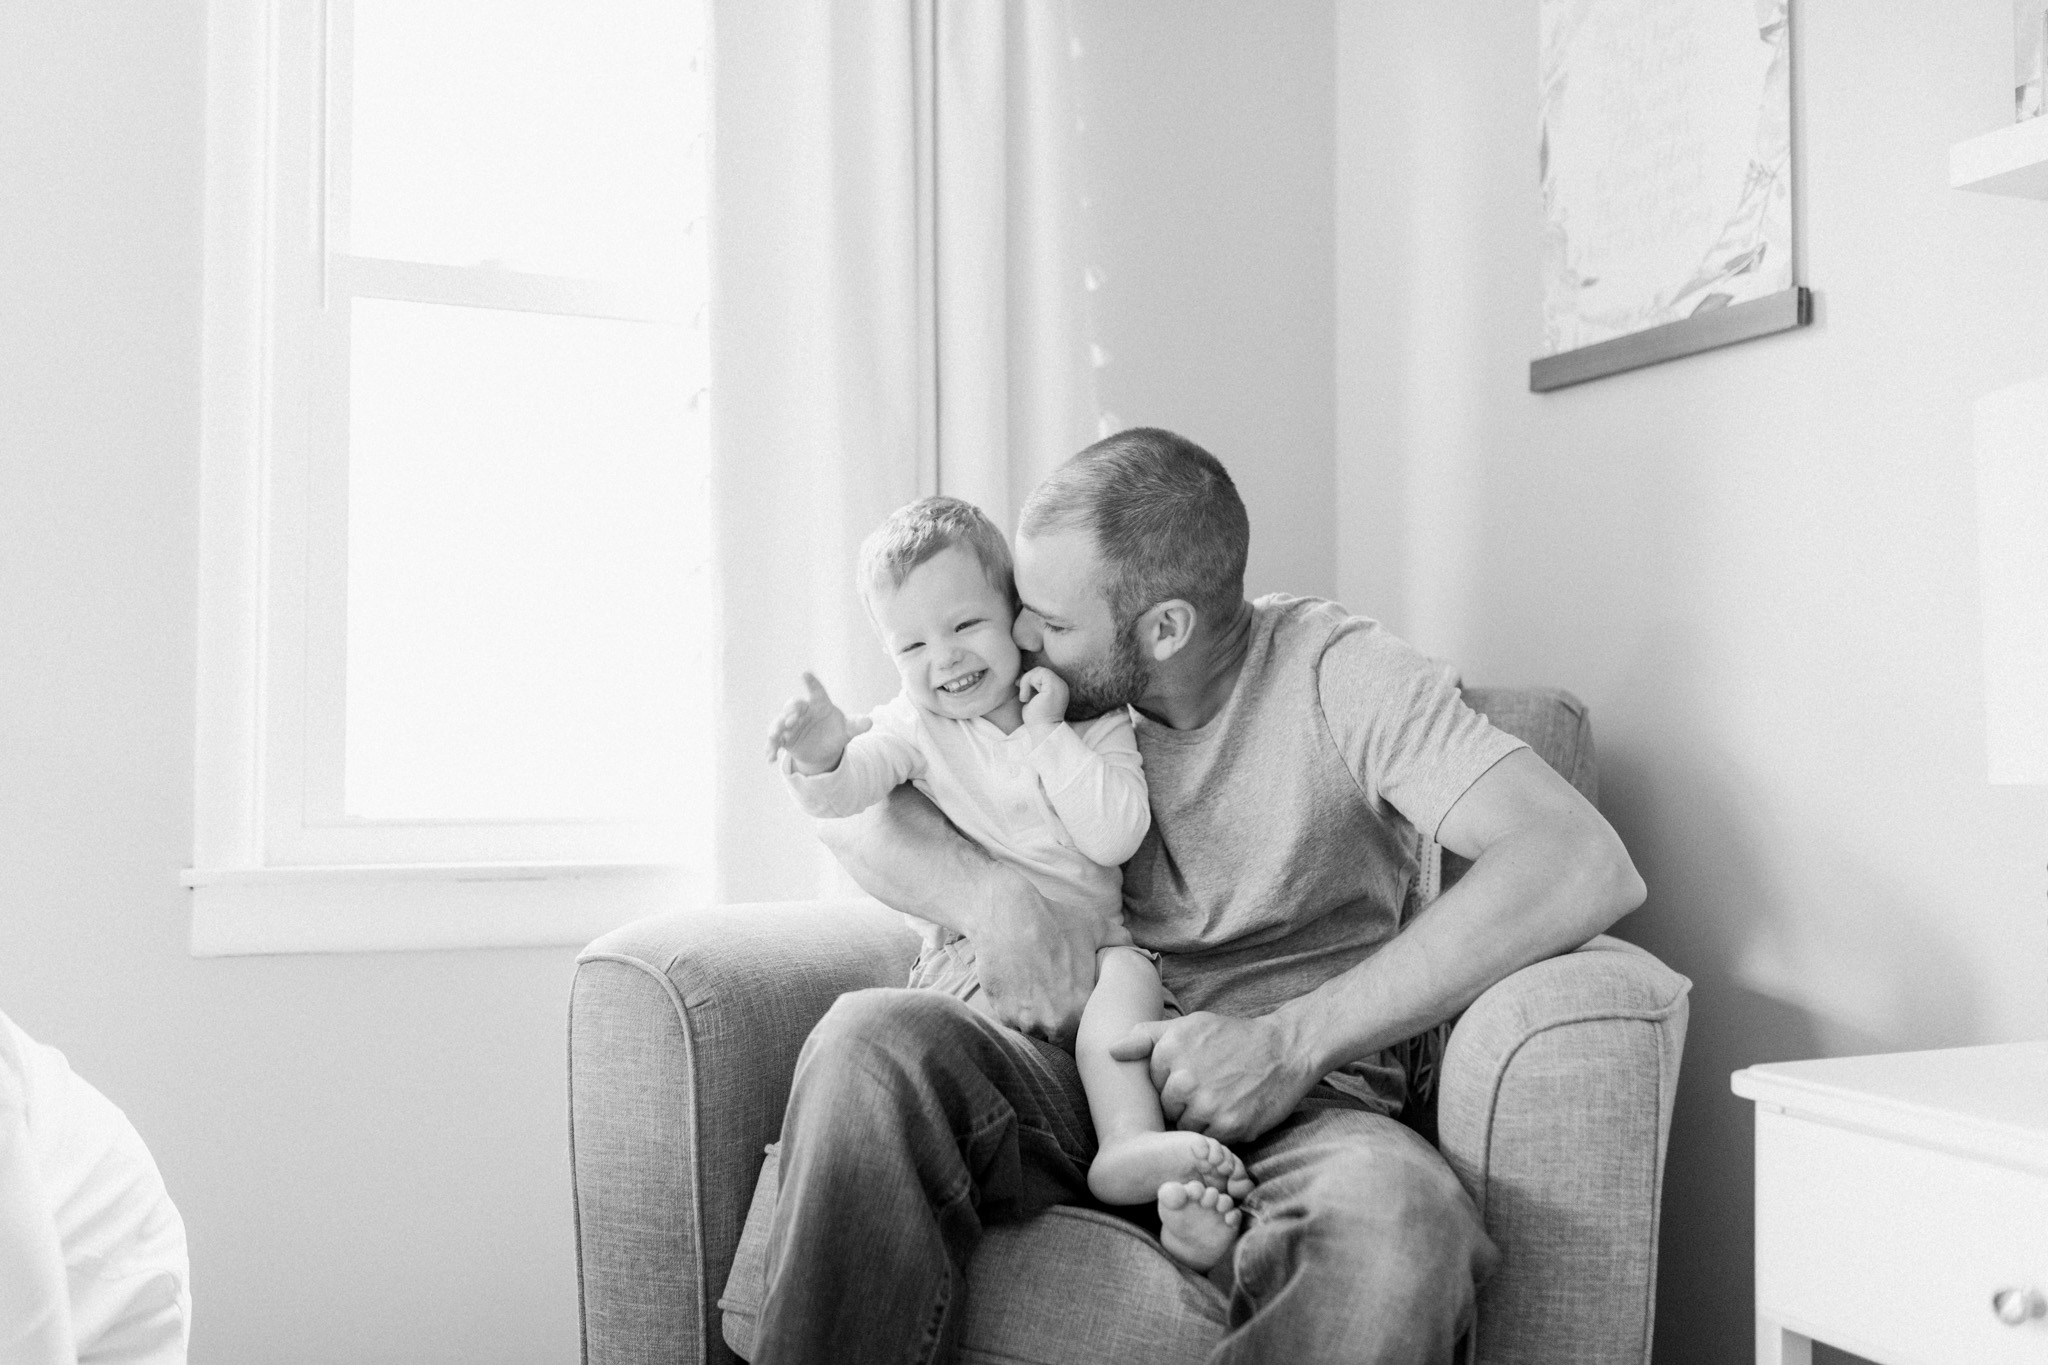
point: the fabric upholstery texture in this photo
(683, 1033)
(1554, 1111)
(1553, 1108)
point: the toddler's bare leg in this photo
(1136, 1153)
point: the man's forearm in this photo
(908, 856)
(1529, 897)
(1036, 960)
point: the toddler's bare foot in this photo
(1130, 1170)
(1197, 1223)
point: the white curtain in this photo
(898, 308)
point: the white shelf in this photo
(1987, 1103)
(2010, 161)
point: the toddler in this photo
(1064, 805)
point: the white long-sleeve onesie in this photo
(1063, 805)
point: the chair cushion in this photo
(1071, 1284)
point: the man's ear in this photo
(1164, 630)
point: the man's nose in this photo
(1024, 630)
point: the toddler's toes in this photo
(1198, 1223)
(1212, 1162)
(1226, 1208)
(1220, 1167)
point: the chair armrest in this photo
(683, 1033)
(1555, 1110)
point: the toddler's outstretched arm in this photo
(838, 766)
(813, 730)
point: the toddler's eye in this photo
(969, 624)
(912, 647)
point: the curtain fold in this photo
(1014, 394)
(897, 308)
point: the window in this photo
(457, 625)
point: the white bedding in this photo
(92, 1251)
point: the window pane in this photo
(528, 612)
(547, 137)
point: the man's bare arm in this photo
(908, 856)
(1548, 873)
(1036, 960)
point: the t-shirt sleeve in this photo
(1398, 720)
(875, 763)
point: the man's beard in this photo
(1097, 688)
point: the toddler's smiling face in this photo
(948, 630)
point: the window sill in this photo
(244, 911)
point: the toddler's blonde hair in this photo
(914, 533)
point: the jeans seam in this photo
(927, 1351)
(965, 1140)
(995, 1121)
(1078, 1158)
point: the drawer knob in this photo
(2017, 1306)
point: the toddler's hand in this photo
(814, 730)
(1044, 694)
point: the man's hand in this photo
(814, 730)
(1036, 959)
(1232, 1079)
(1044, 694)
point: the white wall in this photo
(370, 1151)
(1207, 144)
(1758, 566)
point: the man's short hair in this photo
(916, 532)
(1166, 518)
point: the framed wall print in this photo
(2029, 58)
(1666, 164)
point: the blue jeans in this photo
(914, 1121)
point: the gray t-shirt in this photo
(1284, 844)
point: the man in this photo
(1292, 753)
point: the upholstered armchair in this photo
(1553, 1106)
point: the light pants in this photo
(914, 1121)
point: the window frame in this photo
(276, 866)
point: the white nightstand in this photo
(1902, 1206)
